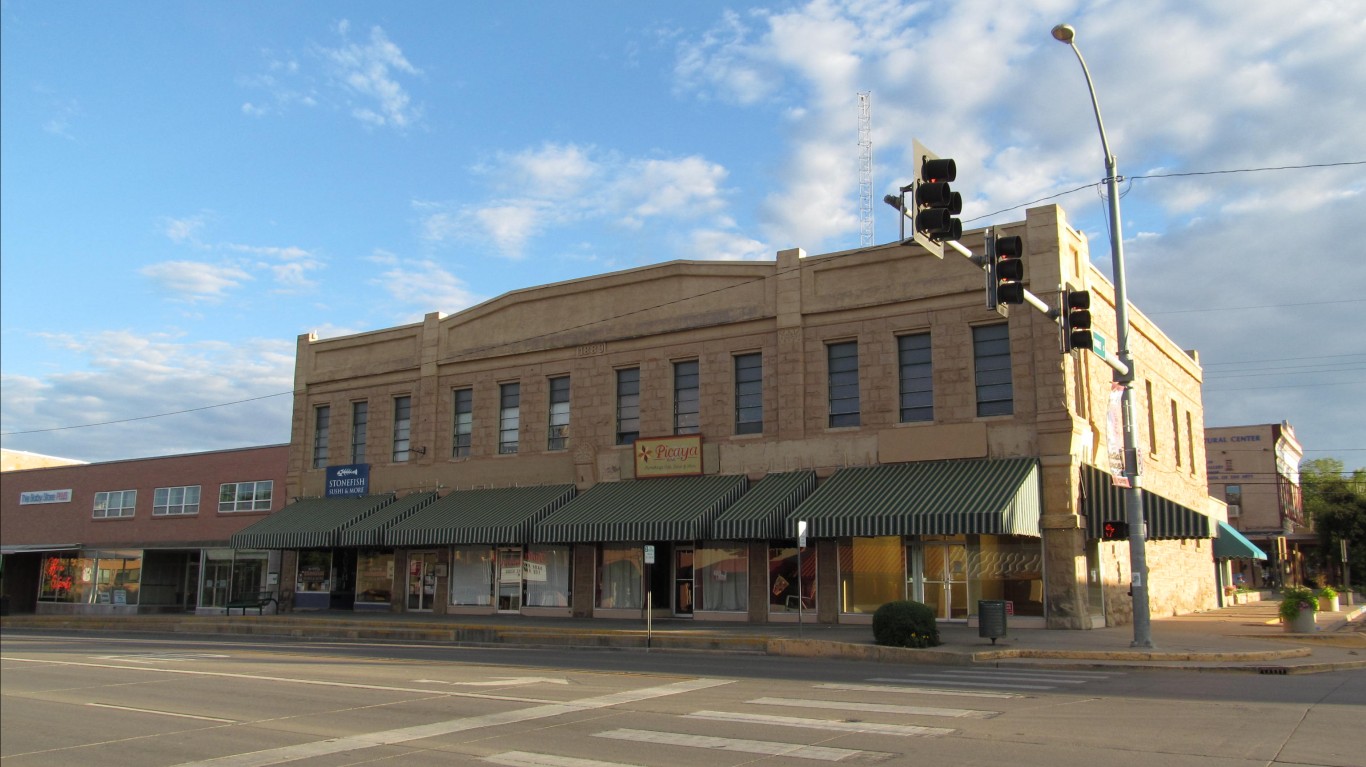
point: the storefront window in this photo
(871, 573)
(471, 575)
(782, 580)
(619, 579)
(92, 577)
(374, 576)
(547, 572)
(723, 577)
(1007, 567)
(67, 578)
(315, 571)
(248, 571)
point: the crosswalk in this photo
(893, 699)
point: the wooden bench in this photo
(257, 601)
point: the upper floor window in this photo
(360, 418)
(843, 383)
(403, 424)
(175, 501)
(917, 378)
(628, 405)
(559, 414)
(687, 398)
(322, 415)
(245, 496)
(509, 416)
(749, 394)
(117, 503)
(1176, 434)
(464, 423)
(991, 361)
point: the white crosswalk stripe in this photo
(904, 690)
(999, 679)
(766, 747)
(882, 708)
(528, 759)
(906, 730)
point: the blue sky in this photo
(186, 187)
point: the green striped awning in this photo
(309, 523)
(761, 512)
(1232, 544)
(370, 530)
(500, 515)
(999, 497)
(667, 509)
(1103, 502)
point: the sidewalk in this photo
(1245, 638)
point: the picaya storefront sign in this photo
(669, 456)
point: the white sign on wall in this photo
(45, 496)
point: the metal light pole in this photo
(1143, 636)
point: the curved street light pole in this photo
(1143, 637)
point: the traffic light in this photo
(1114, 531)
(1005, 270)
(1076, 320)
(934, 203)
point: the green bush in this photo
(1328, 592)
(1297, 598)
(905, 624)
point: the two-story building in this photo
(663, 435)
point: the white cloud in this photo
(194, 281)
(426, 286)
(370, 72)
(132, 376)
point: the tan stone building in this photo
(1255, 470)
(936, 450)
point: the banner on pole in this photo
(1114, 443)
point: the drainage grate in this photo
(1273, 670)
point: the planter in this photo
(1303, 623)
(1329, 604)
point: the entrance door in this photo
(421, 580)
(216, 581)
(945, 574)
(509, 580)
(683, 582)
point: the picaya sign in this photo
(669, 456)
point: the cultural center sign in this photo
(669, 456)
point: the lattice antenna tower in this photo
(865, 168)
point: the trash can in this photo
(991, 618)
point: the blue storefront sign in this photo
(348, 481)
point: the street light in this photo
(1143, 636)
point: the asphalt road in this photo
(89, 699)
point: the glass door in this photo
(509, 580)
(421, 580)
(944, 574)
(683, 583)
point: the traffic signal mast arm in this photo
(1053, 314)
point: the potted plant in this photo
(1328, 599)
(1298, 604)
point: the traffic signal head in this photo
(1005, 270)
(1076, 320)
(1114, 531)
(935, 204)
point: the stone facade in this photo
(788, 310)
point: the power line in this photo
(144, 417)
(1258, 306)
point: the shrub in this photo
(1297, 598)
(905, 624)
(1327, 592)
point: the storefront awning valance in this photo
(309, 523)
(1232, 544)
(761, 512)
(369, 531)
(669, 509)
(38, 548)
(502, 515)
(1103, 502)
(997, 497)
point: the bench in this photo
(257, 601)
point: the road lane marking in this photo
(502, 681)
(162, 713)
(419, 732)
(905, 730)
(917, 690)
(882, 708)
(965, 683)
(528, 759)
(766, 747)
(159, 657)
